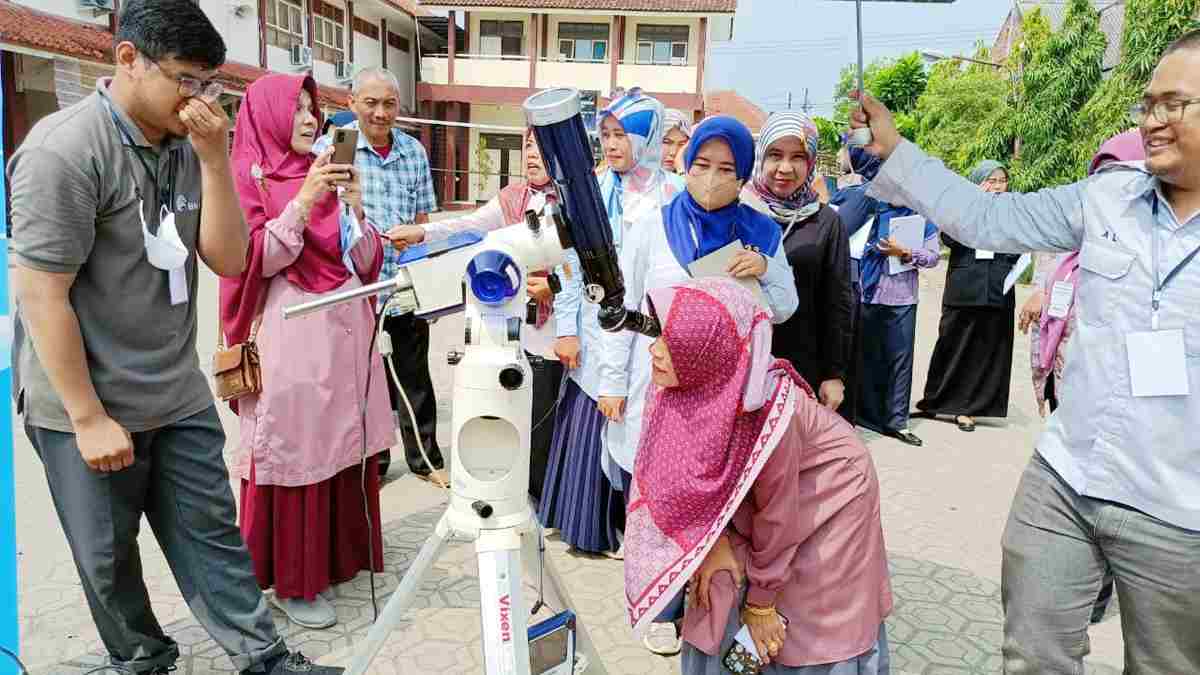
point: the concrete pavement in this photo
(944, 507)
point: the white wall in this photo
(401, 63)
(507, 116)
(720, 29)
(240, 33)
(65, 8)
(366, 52)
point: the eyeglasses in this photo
(996, 182)
(190, 87)
(1165, 112)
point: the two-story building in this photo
(52, 51)
(498, 52)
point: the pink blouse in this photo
(810, 538)
(306, 425)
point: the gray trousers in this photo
(179, 481)
(1057, 548)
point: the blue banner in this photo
(9, 633)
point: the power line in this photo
(964, 30)
(809, 47)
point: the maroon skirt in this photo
(305, 539)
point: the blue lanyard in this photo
(1159, 286)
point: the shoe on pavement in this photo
(439, 477)
(663, 639)
(965, 423)
(316, 614)
(908, 437)
(618, 554)
(295, 662)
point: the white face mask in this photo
(164, 250)
(711, 190)
(167, 252)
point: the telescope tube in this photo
(554, 115)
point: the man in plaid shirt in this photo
(397, 190)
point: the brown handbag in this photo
(237, 370)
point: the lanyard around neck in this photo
(1159, 286)
(164, 192)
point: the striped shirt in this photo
(395, 188)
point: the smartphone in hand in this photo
(345, 143)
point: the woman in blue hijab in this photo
(657, 251)
(888, 311)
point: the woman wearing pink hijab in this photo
(304, 501)
(741, 468)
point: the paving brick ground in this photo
(944, 507)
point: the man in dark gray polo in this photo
(114, 202)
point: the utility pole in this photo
(789, 100)
(807, 107)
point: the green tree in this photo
(1150, 26)
(958, 100)
(1058, 82)
(998, 136)
(898, 83)
(848, 82)
(830, 133)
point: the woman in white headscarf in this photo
(577, 497)
(678, 132)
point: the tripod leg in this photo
(502, 609)
(393, 612)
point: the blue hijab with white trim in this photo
(641, 117)
(694, 232)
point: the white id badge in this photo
(1060, 299)
(1157, 363)
(981, 254)
(177, 279)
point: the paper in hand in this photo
(858, 240)
(714, 265)
(909, 232)
(1015, 273)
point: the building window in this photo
(662, 45)
(329, 32)
(582, 41)
(398, 42)
(366, 28)
(285, 24)
(501, 38)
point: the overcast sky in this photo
(783, 46)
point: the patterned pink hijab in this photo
(705, 441)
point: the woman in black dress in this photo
(971, 366)
(817, 339)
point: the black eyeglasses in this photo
(190, 87)
(1165, 112)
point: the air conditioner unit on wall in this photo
(96, 7)
(343, 71)
(302, 56)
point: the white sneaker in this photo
(316, 614)
(661, 639)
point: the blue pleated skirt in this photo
(577, 498)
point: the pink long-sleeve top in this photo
(306, 424)
(810, 539)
